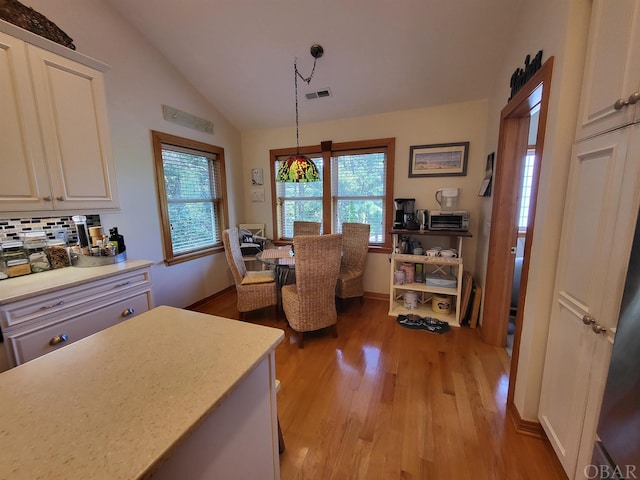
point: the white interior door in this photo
(592, 206)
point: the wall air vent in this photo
(322, 93)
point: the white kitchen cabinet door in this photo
(72, 108)
(24, 183)
(55, 148)
(612, 69)
(599, 220)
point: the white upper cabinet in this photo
(55, 149)
(611, 89)
(24, 181)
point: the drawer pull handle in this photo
(127, 312)
(125, 283)
(45, 307)
(63, 337)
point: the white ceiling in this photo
(380, 55)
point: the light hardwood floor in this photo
(385, 402)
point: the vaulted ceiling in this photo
(380, 55)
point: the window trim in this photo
(158, 139)
(326, 150)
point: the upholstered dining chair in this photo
(305, 228)
(355, 246)
(310, 303)
(255, 289)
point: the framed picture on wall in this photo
(439, 160)
(485, 187)
(257, 177)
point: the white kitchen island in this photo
(168, 394)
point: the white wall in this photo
(138, 83)
(559, 28)
(450, 123)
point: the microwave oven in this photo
(457, 220)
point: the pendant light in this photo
(300, 168)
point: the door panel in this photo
(591, 211)
(72, 107)
(24, 181)
(588, 222)
(613, 68)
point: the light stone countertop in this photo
(27, 286)
(112, 405)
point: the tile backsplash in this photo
(12, 228)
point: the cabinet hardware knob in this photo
(45, 307)
(588, 320)
(123, 284)
(60, 198)
(127, 312)
(597, 329)
(632, 100)
(47, 198)
(63, 337)
(620, 104)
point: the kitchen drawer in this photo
(28, 344)
(57, 305)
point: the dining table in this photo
(283, 261)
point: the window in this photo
(356, 184)
(191, 191)
(298, 201)
(525, 195)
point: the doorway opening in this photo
(524, 204)
(528, 107)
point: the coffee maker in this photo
(405, 214)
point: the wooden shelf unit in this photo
(425, 293)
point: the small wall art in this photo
(439, 160)
(485, 187)
(257, 177)
(257, 194)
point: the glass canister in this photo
(34, 246)
(57, 253)
(80, 222)
(3, 266)
(15, 259)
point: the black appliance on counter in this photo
(617, 450)
(405, 214)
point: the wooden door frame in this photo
(512, 148)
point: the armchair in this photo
(355, 246)
(305, 228)
(255, 289)
(310, 303)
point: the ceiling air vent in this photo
(322, 93)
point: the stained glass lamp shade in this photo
(298, 168)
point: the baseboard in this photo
(374, 295)
(210, 297)
(377, 296)
(526, 427)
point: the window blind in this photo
(298, 201)
(358, 190)
(194, 194)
